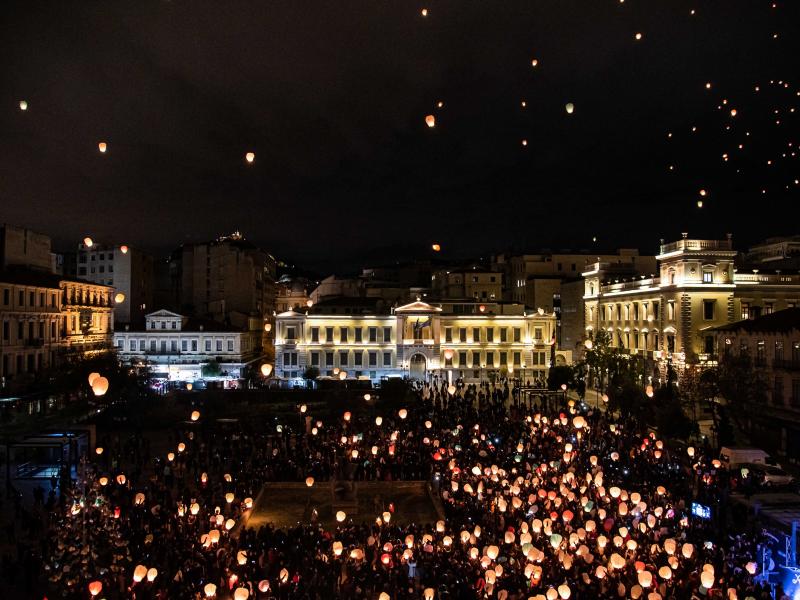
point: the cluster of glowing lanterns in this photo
(98, 384)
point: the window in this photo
(194, 345)
(796, 352)
(184, 345)
(517, 359)
(121, 344)
(670, 310)
(6, 296)
(291, 333)
(219, 345)
(490, 359)
(132, 345)
(745, 310)
(208, 346)
(490, 335)
(329, 359)
(163, 346)
(343, 335)
(315, 335)
(373, 335)
(769, 308)
(358, 335)
(476, 335)
(174, 324)
(31, 299)
(230, 345)
(476, 360)
(387, 334)
(387, 359)
(708, 344)
(761, 353)
(517, 335)
(315, 358)
(163, 324)
(708, 277)
(173, 345)
(777, 390)
(778, 350)
(21, 299)
(289, 359)
(462, 335)
(373, 359)
(462, 358)
(656, 310)
(448, 335)
(796, 392)
(537, 334)
(503, 335)
(343, 358)
(503, 359)
(358, 359)
(708, 309)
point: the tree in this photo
(211, 369)
(311, 373)
(560, 375)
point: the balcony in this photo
(788, 365)
(695, 245)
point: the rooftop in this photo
(778, 322)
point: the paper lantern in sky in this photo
(95, 588)
(92, 377)
(210, 589)
(367, 397)
(102, 146)
(448, 354)
(402, 413)
(707, 579)
(266, 369)
(119, 298)
(267, 328)
(424, 12)
(570, 107)
(139, 573)
(430, 121)
(342, 375)
(451, 389)
(340, 516)
(152, 573)
(123, 249)
(250, 157)
(195, 415)
(378, 421)
(23, 106)
(435, 247)
(100, 386)
(229, 497)
(649, 391)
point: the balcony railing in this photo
(697, 245)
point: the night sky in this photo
(332, 99)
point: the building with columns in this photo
(418, 340)
(671, 317)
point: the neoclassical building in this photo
(418, 340)
(671, 317)
(176, 348)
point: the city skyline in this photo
(343, 155)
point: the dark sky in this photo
(332, 98)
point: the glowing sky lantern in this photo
(340, 516)
(638, 36)
(451, 389)
(699, 204)
(102, 146)
(241, 593)
(733, 112)
(588, 344)
(210, 589)
(649, 391)
(402, 413)
(152, 573)
(92, 377)
(448, 354)
(266, 369)
(95, 588)
(250, 157)
(707, 579)
(139, 573)
(378, 421)
(100, 386)
(267, 327)
(563, 591)
(424, 12)
(535, 62)
(570, 108)
(229, 497)
(119, 298)
(23, 105)
(88, 242)
(367, 397)
(342, 375)
(436, 247)
(123, 249)
(430, 121)
(195, 415)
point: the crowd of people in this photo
(539, 503)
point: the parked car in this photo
(766, 475)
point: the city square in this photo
(390, 301)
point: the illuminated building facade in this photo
(670, 318)
(87, 317)
(178, 348)
(419, 340)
